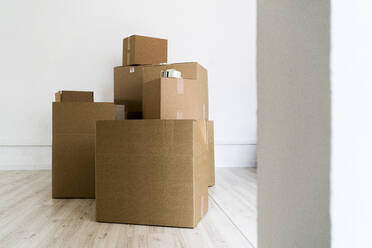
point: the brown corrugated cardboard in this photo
(74, 96)
(143, 50)
(128, 83)
(119, 112)
(152, 172)
(73, 147)
(210, 135)
(174, 98)
(128, 87)
(189, 70)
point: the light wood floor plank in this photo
(235, 193)
(29, 217)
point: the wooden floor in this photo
(29, 217)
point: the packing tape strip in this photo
(180, 89)
(128, 57)
(207, 132)
(119, 112)
(131, 69)
(204, 111)
(128, 52)
(179, 115)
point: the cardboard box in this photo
(128, 83)
(210, 135)
(74, 96)
(143, 50)
(73, 147)
(174, 98)
(152, 172)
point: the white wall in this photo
(293, 124)
(351, 179)
(48, 45)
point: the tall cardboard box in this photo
(152, 172)
(143, 50)
(210, 135)
(73, 147)
(128, 82)
(174, 98)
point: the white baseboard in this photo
(25, 157)
(235, 155)
(40, 157)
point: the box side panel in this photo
(202, 73)
(181, 99)
(149, 50)
(203, 77)
(73, 141)
(152, 72)
(195, 71)
(125, 59)
(73, 166)
(76, 96)
(79, 117)
(201, 170)
(144, 172)
(132, 50)
(128, 87)
(151, 99)
(210, 135)
(164, 53)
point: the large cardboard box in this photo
(128, 82)
(152, 172)
(174, 98)
(74, 96)
(73, 147)
(143, 50)
(210, 135)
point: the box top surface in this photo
(142, 36)
(164, 64)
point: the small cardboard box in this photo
(174, 98)
(128, 83)
(74, 96)
(152, 172)
(73, 147)
(210, 135)
(143, 50)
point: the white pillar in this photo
(293, 123)
(314, 64)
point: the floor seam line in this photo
(232, 222)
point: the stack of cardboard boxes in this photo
(154, 167)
